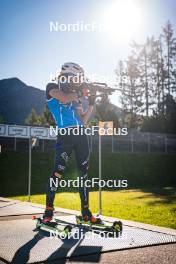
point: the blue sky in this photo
(29, 51)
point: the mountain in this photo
(17, 99)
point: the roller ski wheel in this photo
(52, 226)
(90, 221)
(114, 230)
(38, 221)
(111, 230)
(68, 229)
(79, 219)
(117, 226)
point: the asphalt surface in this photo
(165, 254)
(19, 244)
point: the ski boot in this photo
(48, 214)
(87, 217)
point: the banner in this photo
(25, 132)
(17, 131)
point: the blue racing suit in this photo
(65, 116)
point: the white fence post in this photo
(29, 174)
(112, 143)
(100, 176)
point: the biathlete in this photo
(67, 111)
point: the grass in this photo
(147, 201)
(155, 206)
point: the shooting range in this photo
(88, 132)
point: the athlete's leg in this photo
(64, 148)
(82, 153)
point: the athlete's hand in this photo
(92, 98)
(73, 97)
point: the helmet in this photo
(71, 68)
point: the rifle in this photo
(95, 89)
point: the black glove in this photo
(91, 99)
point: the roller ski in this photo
(95, 223)
(49, 225)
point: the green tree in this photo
(33, 118)
(2, 120)
(162, 123)
(170, 114)
(46, 118)
(144, 55)
(151, 67)
(131, 92)
(170, 55)
(105, 111)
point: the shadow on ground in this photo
(80, 253)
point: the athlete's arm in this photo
(85, 115)
(54, 92)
